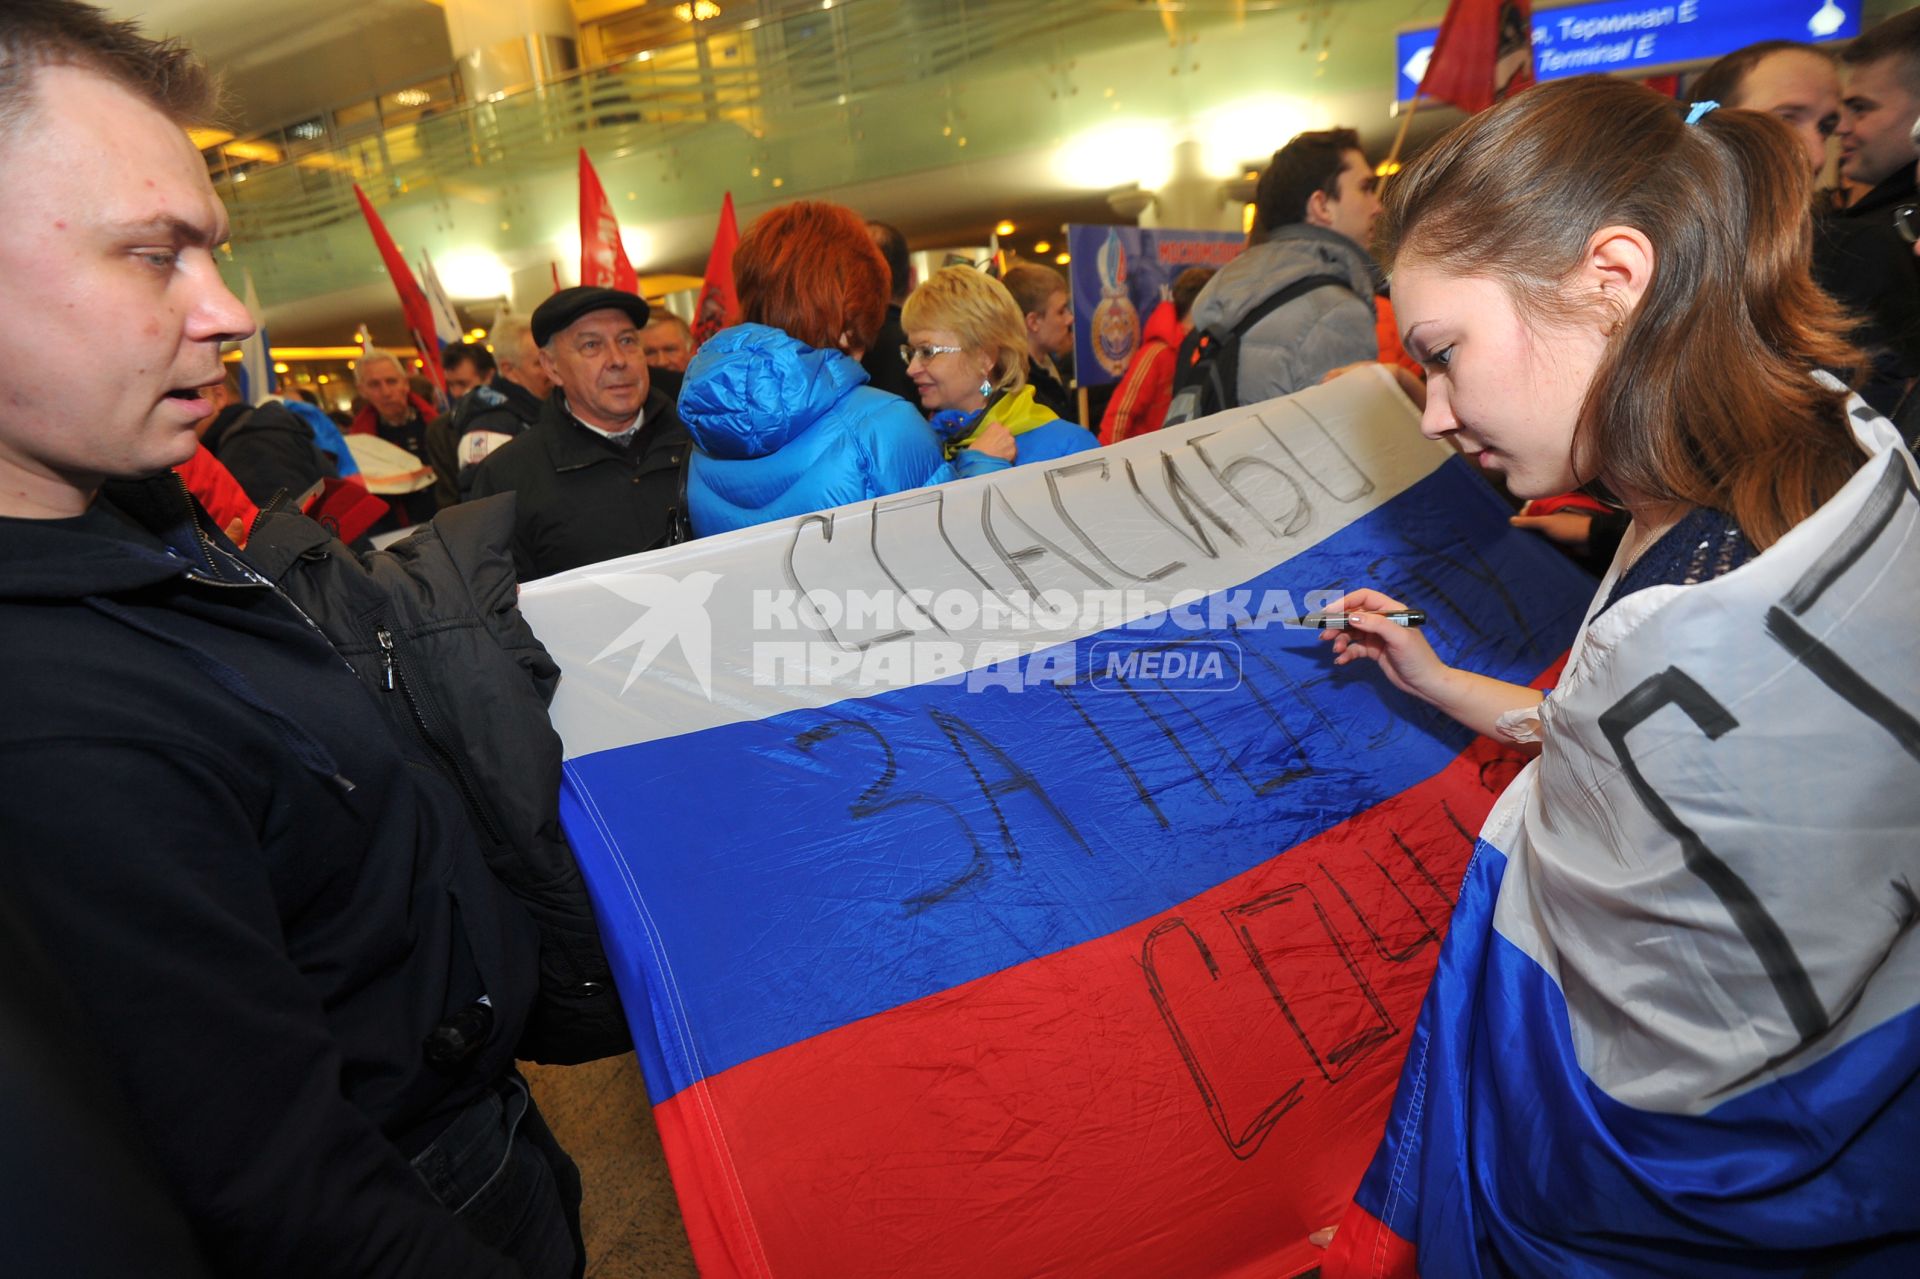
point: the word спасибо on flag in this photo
(997, 885)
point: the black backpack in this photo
(1206, 371)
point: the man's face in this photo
(667, 346)
(1876, 115)
(463, 377)
(1802, 89)
(1354, 208)
(1050, 329)
(111, 309)
(385, 387)
(597, 361)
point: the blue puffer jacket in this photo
(783, 429)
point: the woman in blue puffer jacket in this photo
(783, 422)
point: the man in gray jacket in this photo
(1314, 212)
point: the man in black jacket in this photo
(304, 981)
(1866, 265)
(1857, 256)
(602, 473)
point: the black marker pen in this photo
(1338, 621)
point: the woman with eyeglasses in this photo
(967, 353)
(782, 419)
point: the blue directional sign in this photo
(1623, 35)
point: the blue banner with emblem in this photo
(1117, 275)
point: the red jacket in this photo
(211, 482)
(1140, 402)
(367, 422)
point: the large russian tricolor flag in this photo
(1673, 1030)
(997, 887)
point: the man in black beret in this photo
(602, 473)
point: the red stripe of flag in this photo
(1223, 1068)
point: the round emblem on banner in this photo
(1116, 331)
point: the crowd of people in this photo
(270, 956)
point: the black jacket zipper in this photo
(393, 669)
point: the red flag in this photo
(414, 307)
(1484, 53)
(603, 259)
(718, 302)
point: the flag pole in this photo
(1406, 123)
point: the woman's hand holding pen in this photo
(1402, 651)
(1414, 668)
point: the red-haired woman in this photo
(781, 415)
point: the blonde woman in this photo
(966, 354)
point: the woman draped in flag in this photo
(1673, 1029)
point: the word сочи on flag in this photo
(998, 882)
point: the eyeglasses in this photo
(926, 351)
(1907, 219)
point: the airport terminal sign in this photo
(1628, 35)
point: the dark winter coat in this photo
(1860, 258)
(433, 628)
(584, 499)
(262, 901)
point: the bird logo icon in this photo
(672, 608)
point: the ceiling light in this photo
(474, 273)
(698, 11)
(1042, 246)
(1063, 258)
(1004, 228)
(1116, 153)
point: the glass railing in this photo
(799, 99)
